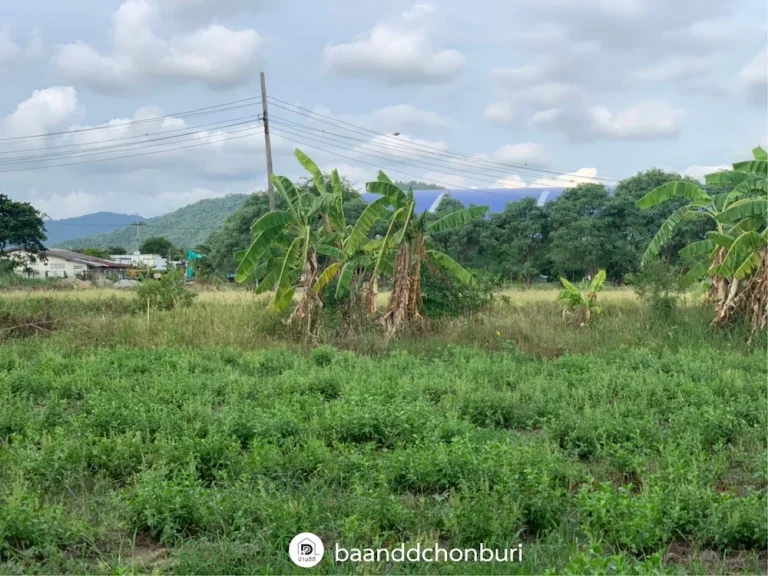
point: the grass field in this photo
(202, 440)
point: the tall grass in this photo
(531, 323)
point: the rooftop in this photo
(91, 261)
(494, 198)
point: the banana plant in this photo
(406, 247)
(583, 299)
(286, 244)
(732, 253)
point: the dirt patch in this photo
(712, 562)
(147, 553)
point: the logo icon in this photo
(306, 550)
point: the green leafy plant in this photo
(735, 255)
(658, 286)
(166, 293)
(580, 303)
(407, 245)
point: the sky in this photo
(149, 105)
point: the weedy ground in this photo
(202, 440)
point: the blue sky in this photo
(482, 94)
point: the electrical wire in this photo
(141, 154)
(127, 147)
(122, 138)
(215, 109)
(354, 128)
(454, 165)
(402, 162)
(395, 170)
(357, 151)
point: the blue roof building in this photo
(494, 198)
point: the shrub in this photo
(445, 297)
(164, 294)
(656, 284)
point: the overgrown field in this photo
(191, 443)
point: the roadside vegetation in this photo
(365, 385)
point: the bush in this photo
(657, 285)
(445, 297)
(164, 294)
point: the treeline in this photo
(585, 229)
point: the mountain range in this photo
(59, 231)
(185, 228)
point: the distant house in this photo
(138, 260)
(66, 264)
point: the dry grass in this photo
(516, 296)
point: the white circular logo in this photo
(306, 550)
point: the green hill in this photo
(185, 227)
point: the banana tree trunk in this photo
(371, 292)
(307, 310)
(397, 309)
(414, 293)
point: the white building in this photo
(138, 260)
(65, 264)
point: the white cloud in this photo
(649, 119)
(698, 172)
(675, 67)
(43, 112)
(450, 181)
(548, 116)
(401, 118)
(35, 49)
(754, 77)
(357, 175)
(196, 11)
(402, 146)
(9, 50)
(511, 181)
(500, 113)
(527, 153)
(396, 54)
(417, 11)
(215, 55)
(404, 116)
(569, 180)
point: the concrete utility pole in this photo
(267, 144)
(137, 224)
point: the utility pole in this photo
(267, 144)
(137, 224)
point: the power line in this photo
(122, 138)
(424, 165)
(388, 159)
(396, 171)
(196, 112)
(139, 154)
(126, 147)
(352, 127)
(453, 165)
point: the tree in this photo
(157, 245)
(407, 246)
(236, 233)
(637, 227)
(735, 254)
(418, 185)
(116, 250)
(523, 236)
(21, 227)
(286, 244)
(583, 235)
